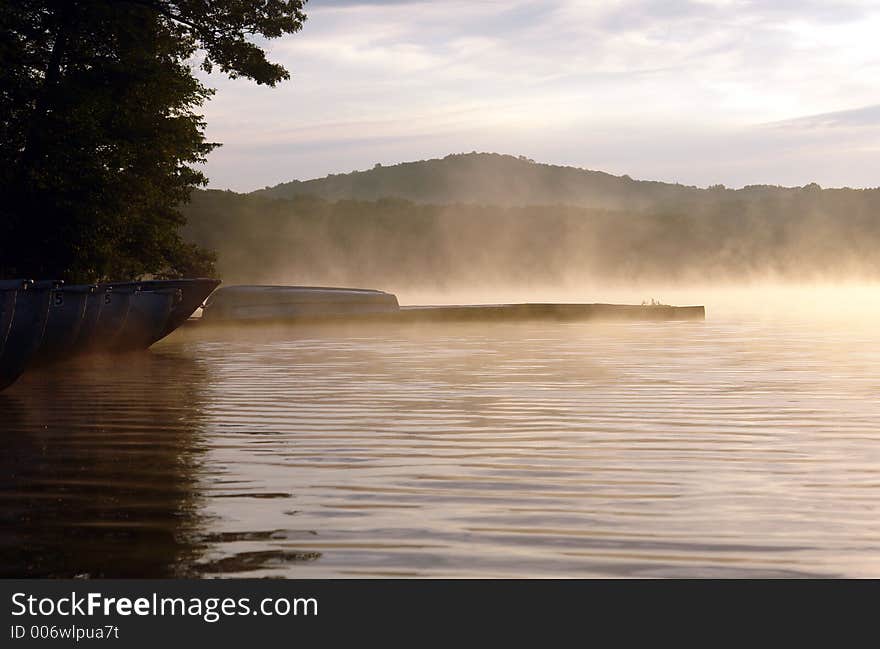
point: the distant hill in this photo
(489, 179)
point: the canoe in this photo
(44, 322)
(255, 303)
(66, 311)
(115, 304)
(7, 310)
(26, 330)
(146, 320)
(8, 292)
(190, 295)
(193, 293)
(129, 316)
(89, 326)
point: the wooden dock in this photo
(481, 313)
(556, 312)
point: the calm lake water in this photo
(738, 447)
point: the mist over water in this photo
(746, 445)
(502, 222)
(838, 304)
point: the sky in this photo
(702, 92)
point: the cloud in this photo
(329, 4)
(384, 81)
(866, 116)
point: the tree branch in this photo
(158, 8)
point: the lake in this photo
(745, 446)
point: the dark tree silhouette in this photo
(100, 127)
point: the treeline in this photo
(718, 234)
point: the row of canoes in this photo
(47, 321)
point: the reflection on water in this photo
(98, 465)
(725, 448)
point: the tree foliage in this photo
(100, 131)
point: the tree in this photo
(100, 130)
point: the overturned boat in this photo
(260, 303)
(246, 304)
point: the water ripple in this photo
(635, 450)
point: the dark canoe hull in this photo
(45, 322)
(190, 294)
(146, 321)
(115, 305)
(193, 293)
(66, 311)
(129, 316)
(89, 326)
(25, 333)
(7, 311)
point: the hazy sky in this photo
(698, 92)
